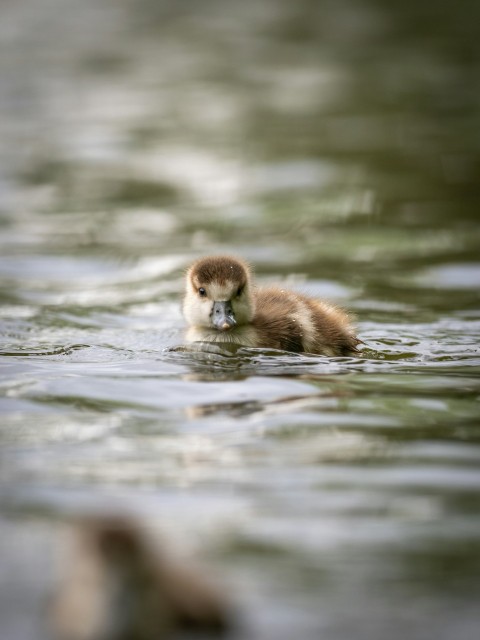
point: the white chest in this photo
(245, 336)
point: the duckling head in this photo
(218, 293)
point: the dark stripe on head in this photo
(219, 269)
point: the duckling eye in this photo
(202, 292)
(239, 291)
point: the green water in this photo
(334, 145)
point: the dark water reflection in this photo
(333, 144)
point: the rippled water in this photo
(335, 146)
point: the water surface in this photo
(335, 146)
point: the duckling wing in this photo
(334, 333)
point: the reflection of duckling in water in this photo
(117, 585)
(222, 305)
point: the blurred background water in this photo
(335, 145)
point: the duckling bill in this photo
(222, 304)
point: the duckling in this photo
(118, 584)
(222, 304)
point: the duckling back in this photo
(294, 322)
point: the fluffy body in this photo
(268, 317)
